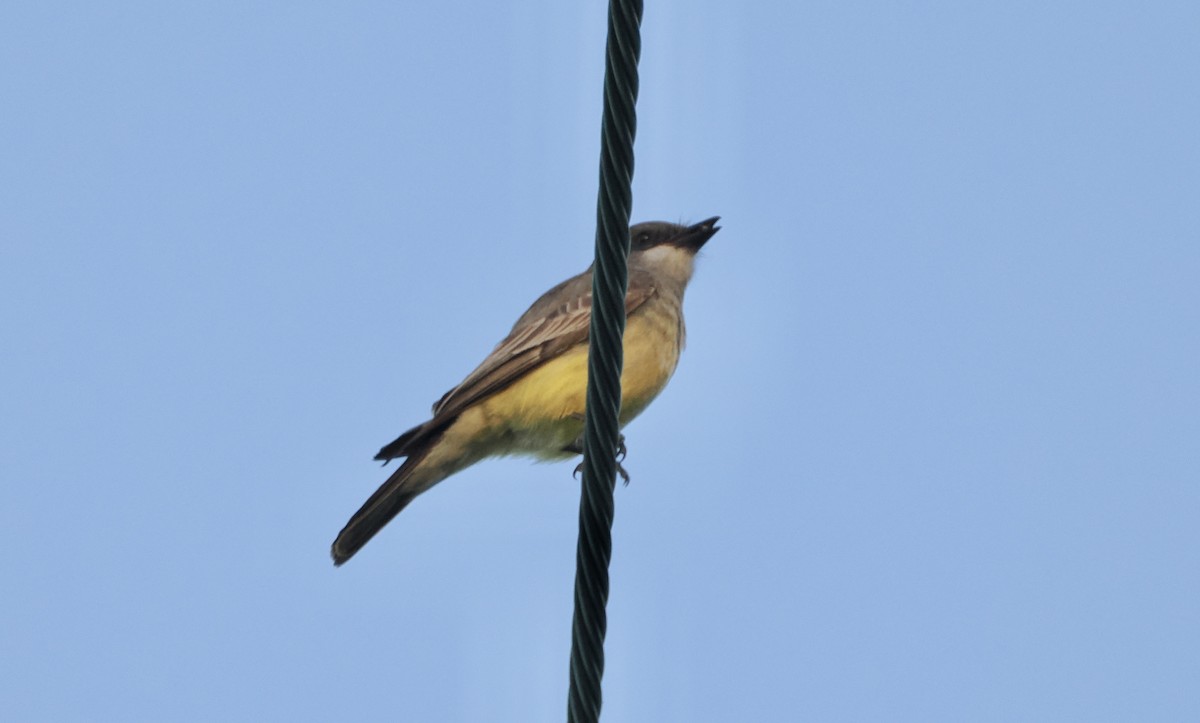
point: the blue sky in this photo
(930, 454)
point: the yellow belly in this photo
(543, 412)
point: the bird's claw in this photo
(620, 470)
(577, 448)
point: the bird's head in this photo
(668, 249)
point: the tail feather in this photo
(387, 502)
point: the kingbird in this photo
(528, 395)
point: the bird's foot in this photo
(576, 447)
(620, 470)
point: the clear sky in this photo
(932, 453)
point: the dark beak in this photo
(693, 237)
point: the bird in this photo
(527, 398)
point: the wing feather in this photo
(557, 321)
(533, 341)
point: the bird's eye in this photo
(643, 238)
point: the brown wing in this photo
(554, 323)
(541, 334)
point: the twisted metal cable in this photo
(610, 280)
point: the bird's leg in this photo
(576, 447)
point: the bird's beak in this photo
(693, 237)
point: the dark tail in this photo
(387, 502)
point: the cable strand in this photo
(610, 280)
